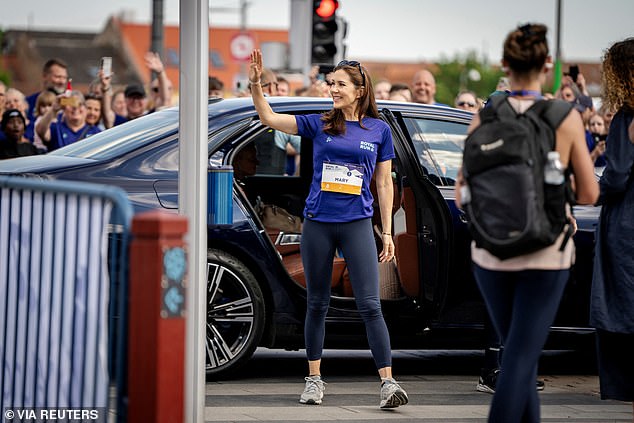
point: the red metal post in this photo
(156, 367)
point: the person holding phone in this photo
(574, 76)
(350, 144)
(72, 126)
(599, 134)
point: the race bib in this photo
(343, 178)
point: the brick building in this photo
(24, 53)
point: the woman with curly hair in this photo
(611, 310)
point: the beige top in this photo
(549, 258)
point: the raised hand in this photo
(105, 80)
(255, 66)
(153, 62)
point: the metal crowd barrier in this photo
(63, 294)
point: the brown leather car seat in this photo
(406, 247)
(295, 268)
(385, 278)
(292, 260)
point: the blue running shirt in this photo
(62, 135)
(361, 148)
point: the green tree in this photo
(4, 74)
(465, 71)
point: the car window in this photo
(277, 153)
(439, 146)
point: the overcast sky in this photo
(398, 30)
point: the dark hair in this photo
(334, 120)
(11, 113)
(53, 62)
(92, 96)
(526, 48)
(215, 83)
(399, 86)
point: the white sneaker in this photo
(392, 395)
(313, 391)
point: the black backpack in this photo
(511, 210)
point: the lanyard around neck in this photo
(526, 93)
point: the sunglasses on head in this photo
(466, 103)
(352, 63)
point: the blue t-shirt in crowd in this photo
(32, 99)
(118, 120)
(358, 147)
(62, 135)
(600, 161)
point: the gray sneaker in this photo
(313, 391)
(392, 395)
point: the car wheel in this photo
(235, 313)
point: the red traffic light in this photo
(327, 8)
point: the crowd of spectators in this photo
(57, 115)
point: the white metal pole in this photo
(300, 35)
(192, 188)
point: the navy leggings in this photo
(522, 306)
(356, 241)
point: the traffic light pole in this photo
(325, 28)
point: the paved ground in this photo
(268, 391)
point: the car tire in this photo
(235, 314)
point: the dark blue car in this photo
(256, 294)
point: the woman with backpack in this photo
(611, 310)
(522, 291)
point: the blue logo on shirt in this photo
(328, 139)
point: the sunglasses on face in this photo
(352, 63)
(466, 103)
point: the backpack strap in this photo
(496, 105)
(553, 112)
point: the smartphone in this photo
(574, 72)
(106, 65)
(69, 101)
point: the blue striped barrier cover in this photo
(55, 291)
